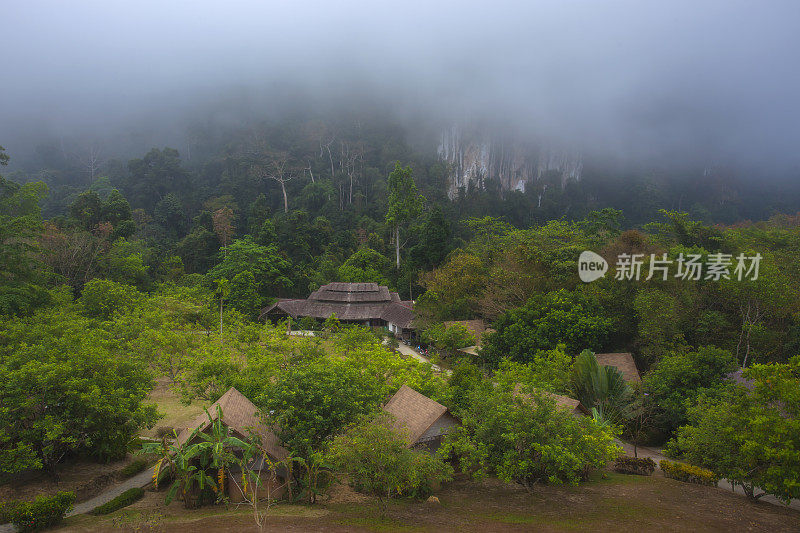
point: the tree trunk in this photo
(285, 198)
(397, 244)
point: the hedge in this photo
(689, 473)
(41, 513)
(640, 466)
(133, 468)
(123, 500)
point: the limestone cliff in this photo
(473, 158)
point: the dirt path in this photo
(139, 480)
(411, 352)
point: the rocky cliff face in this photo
(474, 158)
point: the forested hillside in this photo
(313, 190)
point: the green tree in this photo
(449, 338)
(679, 378)
(547, 320)
(198, 250)
(103, 298)
(405, 203)
(548, 370)
(751, 437)
(527, 440)
(269, 268)
(67, 387)
(434, 240)
(154, 176)
(364, 266)
(244, 294)
(22, 275)
(310, 404)
(87, 209)
(171, 214)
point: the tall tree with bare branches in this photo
(276, 169)
(223, 226)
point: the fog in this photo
(708, 81)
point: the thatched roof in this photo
(348, 301)
(240, 415)
(621, 361)
(351, 292)
(399, 313)
(414, 412)
(564, 402)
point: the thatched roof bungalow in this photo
(424, 421)
(623, 362)
(573, 406)
(242, 417)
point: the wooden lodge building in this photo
(367, 304)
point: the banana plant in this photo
(190, 462)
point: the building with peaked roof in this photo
(422, 420)
(573, 406)
(621, 361)
(242, 417)
(368, 304)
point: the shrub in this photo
(639, 466)
(5, 510)
(377, 460)
(123, 500)
(133, 468)
(688, 473)
(43, 512)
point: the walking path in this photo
(411, 352)
(656, 455)
(139, 480)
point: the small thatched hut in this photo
(424, 421)
(242, 417)
(623, 362)
(573, 406)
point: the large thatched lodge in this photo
(368, 304)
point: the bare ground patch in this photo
(615, 503)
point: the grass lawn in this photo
(176, 414)
(617, 503)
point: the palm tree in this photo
(600, 388)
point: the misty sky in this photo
(719, 80)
